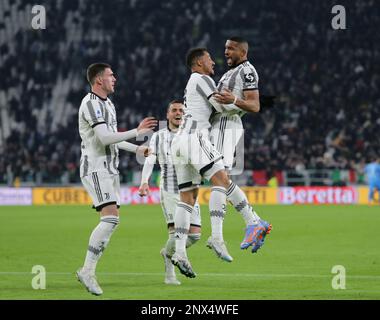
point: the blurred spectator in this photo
(327, 81)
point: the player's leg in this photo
(217, 206)
(188, 181)
(208, 162)
(371, 193)
(256, 228)
(227, 133)
(182, 226)
(195, 226)
(105, 194)
(169, 203)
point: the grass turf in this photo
(295, 262)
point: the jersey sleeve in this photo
(249, 78)
(153, 144)
(92, 113)
(206, 86)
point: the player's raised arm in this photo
(106, 137)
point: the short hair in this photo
(194, 54)
(172, 102)
(94, 70)
(238, 40)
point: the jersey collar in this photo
(98, 96)
(238, 64)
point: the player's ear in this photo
(98, 79)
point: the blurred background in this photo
(323, 130)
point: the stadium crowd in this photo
(326, 81)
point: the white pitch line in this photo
(268, 275)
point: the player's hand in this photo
(144, 190)
(144, 151)
(146, 125)
(226, 96)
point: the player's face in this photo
(233, 53)
(175, 113)
(108, 81)
(208, 64)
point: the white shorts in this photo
(226, 136)
(103, 188)
(194, 157)
(169, 205)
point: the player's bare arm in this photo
(107, 137)
(250, 103)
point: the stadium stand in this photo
(326, 81)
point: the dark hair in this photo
(172, 102)
(238, 39)
(95, 69)
(194, 54)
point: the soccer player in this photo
(372, 170)
(169, 195)
(99, 162)
(195, 158)
(238, 88)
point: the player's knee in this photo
(110, 210)
(188, 197)
(192, 238)
(220, 179)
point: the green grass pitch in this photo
(295, 262)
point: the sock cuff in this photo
(180, 230)
(185, 206)
(231, 188)
(110, 219)
(194, 236)
(219, 189)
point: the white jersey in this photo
(239, 79)
(227, 127)
(95, 156)
(198, 109)
(160, 144)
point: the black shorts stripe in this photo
(205, 168)
(222, 129)
(185, 185)
(195, 225)
(97, 186)
(207, 152)
(97, 123)
(99, 208)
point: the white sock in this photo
(217, 206)
(99, 239)
(182, 226)
(170, 244)
(170, 248)
(240, 202)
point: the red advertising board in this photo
(131, 195)
(318, 195)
